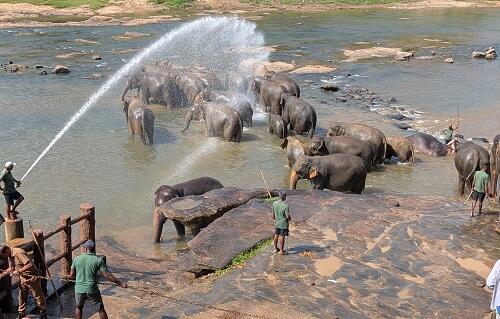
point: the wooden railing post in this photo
(65, 244)
(87, 225)
(39, 258)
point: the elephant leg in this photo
(180, 228)
(461, 185)
(130, 128)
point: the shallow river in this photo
(96, 161)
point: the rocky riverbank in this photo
(351, 256)
(139, 12)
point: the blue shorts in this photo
(10, 198)
(281, 232)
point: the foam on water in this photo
(216, 44)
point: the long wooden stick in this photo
(265, 183)
(458, 115)
(468, 196)
(46, 268)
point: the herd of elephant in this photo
(338, 161)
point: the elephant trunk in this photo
(126, 89)
(294, 178)
(189, 118)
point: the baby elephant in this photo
(139, 118)
(277, 126)
(400, 147)
(196, 186)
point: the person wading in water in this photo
(281, 216)
(12, 197)
(480, 188)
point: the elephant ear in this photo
(313, 171)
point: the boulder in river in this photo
(61, 69)
(95, 57)
(478, 55)
(330, 87)
(449, 60)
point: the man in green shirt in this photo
(480, 184)
(12, 197)
(281, 216)
(85, 269)
(448, 133)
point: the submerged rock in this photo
(330, 87)
(449, 60)
(130, 35)
(95, 57)
(313, 69)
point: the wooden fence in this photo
(66, 246)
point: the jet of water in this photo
(227, 40)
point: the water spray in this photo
(239, 35)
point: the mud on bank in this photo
(351, 256)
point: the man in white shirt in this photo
(493, 282)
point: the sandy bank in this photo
(122, 12)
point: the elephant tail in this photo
(473, 167)
(148, 123)
(382, 156)
(412, 154)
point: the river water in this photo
(96, 161)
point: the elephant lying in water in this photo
(365, 133)
(428, 144)
(343, 145)
(197, 186)
(337, 172)
(469, 158)
(140, 119)
(220, 120)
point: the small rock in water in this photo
(402, 126)
(94, 76)
(480, 139)
(96, 57)
(38, 66)
(341, 99)
(392, 100)
(323, 102)
(330, 87)
(397, 117)
(449, 60)
(356, 97)
(61, 69)
(308, 81)
(43, 72)
(479, 55)
(403, 56)
(433, 53)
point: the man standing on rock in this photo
(12, 197)
(492, 282)
(85, 269)
(480, 188)
(22, 266)
(448, 134)
(281, 216)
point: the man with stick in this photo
(281, 216)
(85, 269)
(22, 266)
(480, 188)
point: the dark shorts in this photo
(281, 232)
(11, 197)
(94, 299)
(477, 195)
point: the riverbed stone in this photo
(478, 55)
(330, 87)
(61, 69)
(95, 57)
(448, 60)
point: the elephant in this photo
(270, 93)
(196, 186)
(277, 126)
(284, 80)
(299, 114)
(495, 165)
(150, 86)
(237, 101)
(140, 119)
(221, 120)
(400, 147)
(469, 158)
(428, 144)
(336, 172)
(365, 133)
(294, 149)
(343, 145)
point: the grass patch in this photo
(174, 3)
(270, 200)
(245, 256)
(94, 4)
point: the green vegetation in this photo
(173, 3)
(244, 256)
(94, 4)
